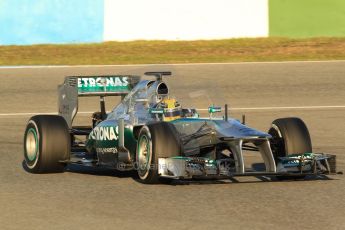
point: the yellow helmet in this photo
(172, 109)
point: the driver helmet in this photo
(172, 109)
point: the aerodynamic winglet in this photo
(158, 75)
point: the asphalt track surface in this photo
(88, 198)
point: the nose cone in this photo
(233, 128)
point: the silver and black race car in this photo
(151, 132)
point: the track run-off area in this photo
(91, 198)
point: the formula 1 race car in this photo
(150, 132)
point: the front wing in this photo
(292, 166)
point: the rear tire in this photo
(46, 144)
(157, 140)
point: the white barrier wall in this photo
(126, 20)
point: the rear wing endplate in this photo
(81, 86)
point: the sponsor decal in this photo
(104, 133)
(92, 82)
(106, 150)
(156, 110)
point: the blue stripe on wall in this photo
(25, 22)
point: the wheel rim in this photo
(144, 156)
(31, 145)
(277, 142)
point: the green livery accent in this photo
(180, 158)
(214, 109)
(130, 142)
(156, 110)
(103, 84)
(307, 18)
(105, 139)
(304, 155)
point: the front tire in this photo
(289, 136)
(46, 144)
(157, 140)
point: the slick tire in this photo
(46, 144)
(289, 136)
(157, 140)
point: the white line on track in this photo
(202, 109)
(289, 107)
(173, 64)
(33, 113)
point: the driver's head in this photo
(172, 109)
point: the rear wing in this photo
(81, 86)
